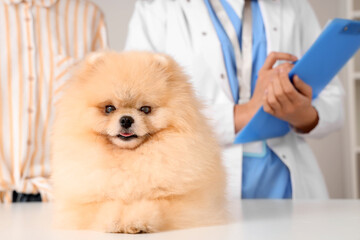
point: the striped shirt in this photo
(39, 41)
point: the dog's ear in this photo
(95, 58)
(168, 67)
(162, 61)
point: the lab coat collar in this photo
(41, 3)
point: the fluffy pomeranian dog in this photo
(131, 150)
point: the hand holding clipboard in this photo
(334, 47)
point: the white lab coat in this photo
(183, 29)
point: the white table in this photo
(253, 219)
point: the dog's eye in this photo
(109, 108)
(145, 109)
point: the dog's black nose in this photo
(126, 121)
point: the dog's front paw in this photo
(138, 217)
(138, 227)
(132, 228)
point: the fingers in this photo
(270, 102)
(289, 89)
(275, 56)
(277, 100)
(285, 67)
(302, 87)
(280, 93)
(262, 83)
(271, 99)
(266, 104)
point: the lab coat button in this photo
(283, 156)
(222, 76)
(275, 29)
(204, 33)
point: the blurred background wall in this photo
(330, 151)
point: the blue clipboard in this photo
(339, 41)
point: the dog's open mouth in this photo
(126, 136)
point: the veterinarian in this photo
(39, 41)
(231, 50)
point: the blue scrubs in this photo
(264, 174)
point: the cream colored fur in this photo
(170, 177)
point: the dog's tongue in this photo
(126, 134)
